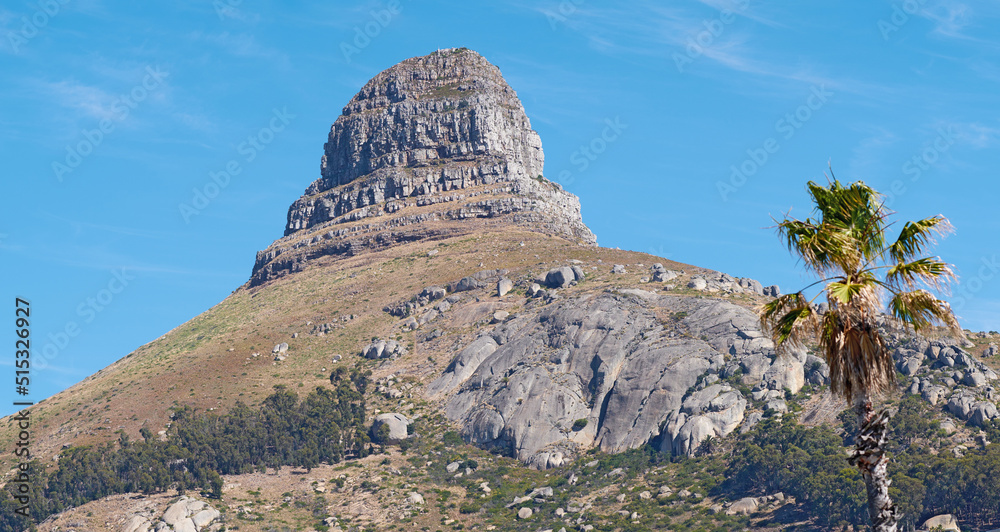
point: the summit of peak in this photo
(439, 138)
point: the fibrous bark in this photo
(871, 459)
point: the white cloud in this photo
(950, 18)
(87, 100)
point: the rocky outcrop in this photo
(425, 149)
(396, 426)
(942, 522)
(185, 515)
(379, 349)
(944, 373)
(605, 358)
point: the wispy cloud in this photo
(670, 33)
(869, 153)
(978, 135)
(196, 122)
(237, 13)
(243, 45)
(86, 100)
(950, 19)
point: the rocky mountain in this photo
(436, 146)
(516, 367)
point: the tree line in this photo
(810, 463)
(327, 426)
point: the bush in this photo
(579, 424)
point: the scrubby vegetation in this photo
(328, 425)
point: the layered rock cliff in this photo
(432, 147)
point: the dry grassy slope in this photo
(207, 363)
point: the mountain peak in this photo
(432, 147)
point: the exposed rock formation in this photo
(396, 423)
(609, 360)
(185, 515)
(430, 142)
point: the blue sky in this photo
(683, 128)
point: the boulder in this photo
(618, 269)
(415, 498)
(777, 405)
(909, 366)
(816, 369)
(755, 366)
(982, 412)
(433, 293)
(751, 285)
(578, 273)
(961, 405)
(136, 523)
(524, 513)
(380, 349)
(786, 373)
(452, 467)
(176, 511)
(504, 286)
(712, 412)
(744, 506)
(974, 379)
(185, 525)
(697, 283)
(945, 522)
(466, 284)
(559, 277)
(397, 424)
(205, 517)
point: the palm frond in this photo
(822, 247)
(920, 309)
(928, 270)
(856, 215)
(789, 318)
(860, 363)
(843, 291)
(915, 236)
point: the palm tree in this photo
(864, 275)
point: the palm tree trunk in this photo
(869, 455)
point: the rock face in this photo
(605, 358)
(944, 522)
(397, 424)
(185, 515)
(425, 148)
